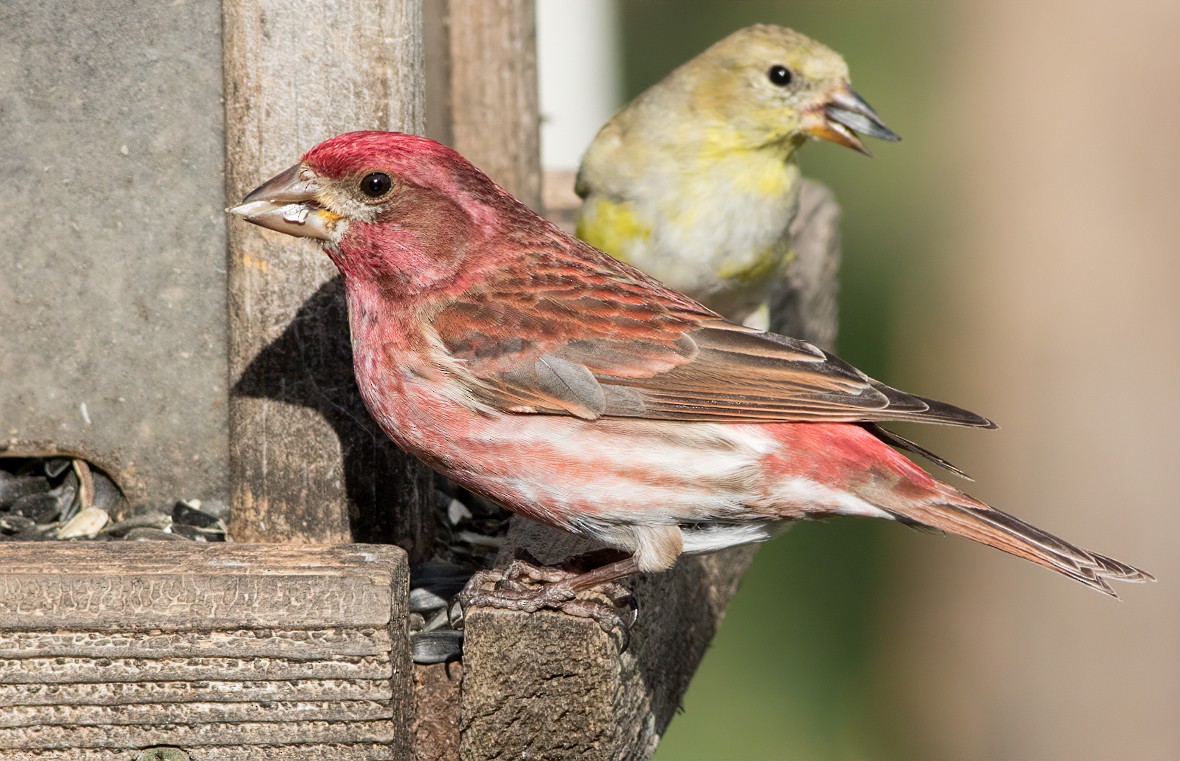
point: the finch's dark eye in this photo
(376, 184)
(779, 75)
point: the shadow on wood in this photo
(362, 68)
(310, 365)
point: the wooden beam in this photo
(548, 685)
(307, 464)
(807, 305)
(226, 651)
(484, 89)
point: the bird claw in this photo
(527, 588)
(612, 618)
(523, 570)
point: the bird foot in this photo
(527, 587)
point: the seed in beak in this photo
(295, 213)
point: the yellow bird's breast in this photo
(715, 228)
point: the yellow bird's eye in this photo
(779, 75)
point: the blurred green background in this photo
(1009, 255)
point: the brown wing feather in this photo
(591, 337)
(894, 439)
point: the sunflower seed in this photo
(425, 601)
(152, 519)
(150, 534)
(191, 514)
(106, 495)
(16, 524)
(41, 508)
(86, 524)
(443, 580)
(457, 511)
(21, 486)
(436, 646)
(162, 754)
(55, 467)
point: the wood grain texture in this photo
(310, 752)
(307, 464)
(119, 356)
(435, 730)
(553, 686)
(806, 306)
(489, 91)
(226, 651)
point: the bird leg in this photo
(525, 586)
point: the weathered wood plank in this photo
(807, 305)
(130, 559)
(94, 601)
(307, 464)
(312, 752)
(72, 670)
(310, 644)
(202, 691)
(127, 645)
(195, 713)
(437, 716)
(198, 735)
(490, 91)
(553, 686)
(184, 587)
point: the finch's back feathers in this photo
(561, 337)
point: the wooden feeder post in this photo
(307, 464)
(482, 89)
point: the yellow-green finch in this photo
(696, 181)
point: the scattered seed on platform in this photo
(436, 646)
(41, 508)
(86, 524)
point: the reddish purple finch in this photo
(574, 390)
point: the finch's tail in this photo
(959, 514)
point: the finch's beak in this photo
(844, 117)
(288, 202)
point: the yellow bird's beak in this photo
(844, 117)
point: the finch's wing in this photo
(569, 337)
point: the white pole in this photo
(579, 60)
